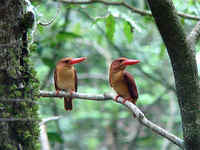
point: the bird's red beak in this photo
(77, 60)
(130, 62)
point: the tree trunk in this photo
(182, 56)
(18, 86)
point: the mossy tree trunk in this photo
(19, 127)
(182, 56)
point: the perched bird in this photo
(122, 81)
(65, 78)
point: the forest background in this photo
(102, 33)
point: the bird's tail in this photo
(68, 103)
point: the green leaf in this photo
(61, 36)
(128, 31)
(40, 28)
(99, 19)
(110, 27)
(55, 137)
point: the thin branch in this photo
(53, 19)
(76, 95)
(44, 121)
(187, 16)
(139, 115)
(44, 141)
(136, 10)
(126, 5)
(195, 34)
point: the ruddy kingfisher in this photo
(122, 81)
(65, 78)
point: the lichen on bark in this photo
(17, 79)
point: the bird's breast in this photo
(119, 85)
(66, 79)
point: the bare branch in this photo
(44, 141)
(43, 132)
(76, 95)
(195, 34)
(124, 4)
(139, 115)
(187, 16)
(44, 121)
(53, 19)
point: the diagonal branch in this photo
(139, 115)
(52, 20)
(195, 34)
(44, 141)
(126, 5)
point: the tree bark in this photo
(182, 56)
(20, 128)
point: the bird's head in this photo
(69, 62)
(120, 64)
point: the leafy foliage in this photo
(110, 27)
(128, 29)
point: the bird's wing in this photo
(131, 85)
(110, 78)
(76, 81)
(55, 80)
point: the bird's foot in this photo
(57, 92)
(117, 97)
(71, 93)
(134, 116)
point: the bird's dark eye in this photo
(120, 61)
(66, 61)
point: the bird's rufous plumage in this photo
(65, 78)
(122, 81)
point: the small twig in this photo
(139, 115)
(124, 4)
(52, 20)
